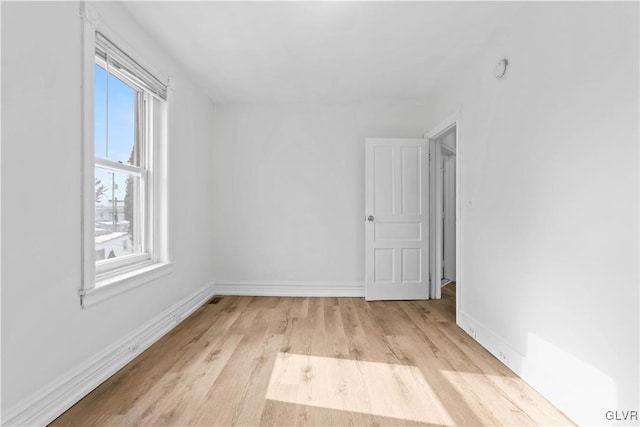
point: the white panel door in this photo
(396, 218)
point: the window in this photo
(124, 235)
(121, 169)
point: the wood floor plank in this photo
(383, 363)
(350, 319)
(299, 307)
(244, 378)
(277, 413)
(190, 391)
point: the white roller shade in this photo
(116, 58)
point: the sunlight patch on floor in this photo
(382, 389)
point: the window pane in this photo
(115, 118)
(117, 217)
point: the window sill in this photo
(116, 285)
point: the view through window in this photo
(118, 167)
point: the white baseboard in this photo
(52, 400)
(490, 341)
(289, 289)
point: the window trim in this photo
(124, 282)
(99, 282)
(115, 266)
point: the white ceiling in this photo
(320, 51)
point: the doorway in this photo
(411, 215)
(442, 201)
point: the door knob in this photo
(370, 218)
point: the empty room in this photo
(320, 213)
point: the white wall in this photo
(289, 184)
(549, 201)
(45, 333)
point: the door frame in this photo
(449, 213)
(453, 120)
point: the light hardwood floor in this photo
(316, 362)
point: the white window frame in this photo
(109, 278)
(109, 267)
